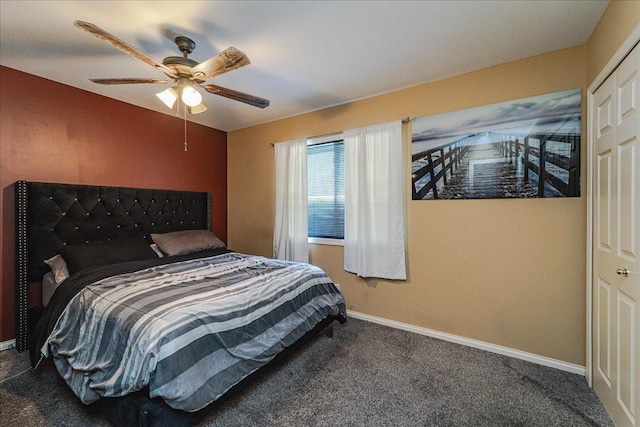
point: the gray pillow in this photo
(186, 241)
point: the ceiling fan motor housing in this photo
(179, 64)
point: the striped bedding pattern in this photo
(189, 330)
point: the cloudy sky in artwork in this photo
(554, 107)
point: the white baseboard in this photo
(505, 351)
(6, 345)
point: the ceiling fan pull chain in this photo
(185, 127)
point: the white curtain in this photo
(290, 238)
(374, 210)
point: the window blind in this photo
(325, 189)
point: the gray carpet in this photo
(367, 375)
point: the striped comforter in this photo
(189, 330)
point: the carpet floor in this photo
(366, 375)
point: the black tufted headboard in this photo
(51, 215)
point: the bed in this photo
(151, 312)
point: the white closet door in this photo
(616, 243)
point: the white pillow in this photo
(58, 267)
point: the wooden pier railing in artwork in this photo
(546, 164)
(440, 163)
(532, 151)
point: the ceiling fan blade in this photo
(227, 60)
(123, 46)
(127, 81)
(237, 96)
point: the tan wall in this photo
(508, 272)
(619, 19)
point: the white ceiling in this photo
(305, 55)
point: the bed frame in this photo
(51, 215)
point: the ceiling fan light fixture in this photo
(200, 108)
(168, 96)
(190, 96)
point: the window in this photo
(325, 186)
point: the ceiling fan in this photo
(186, 73)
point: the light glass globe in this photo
(191, 97)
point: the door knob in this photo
(622, 272)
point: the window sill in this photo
(324, 241)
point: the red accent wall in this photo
(50, 132)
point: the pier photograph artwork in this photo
(526, 148)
